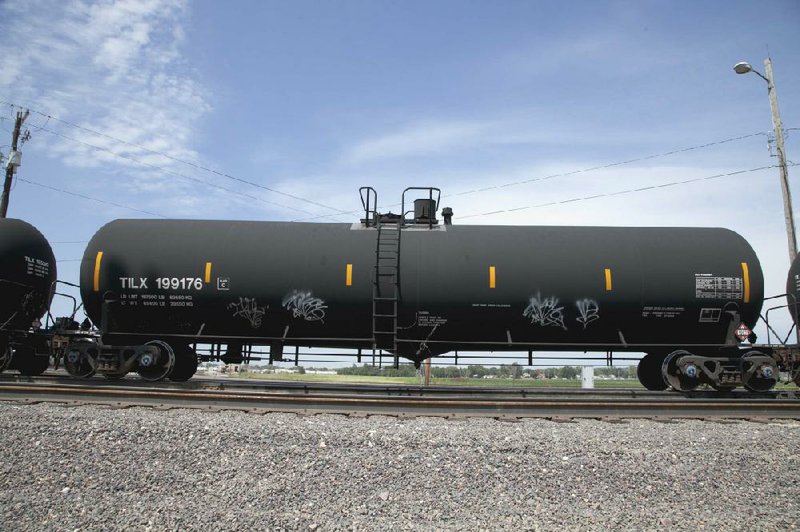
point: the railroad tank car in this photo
(27, 274)
(793, 289)
(418, 288)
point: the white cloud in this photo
(419, 139)
(112, 66)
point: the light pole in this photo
(744, 68)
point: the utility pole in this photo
(14, 160)
(787, 195)
(788, 214)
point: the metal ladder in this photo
(386, 287)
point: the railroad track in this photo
(400, 400)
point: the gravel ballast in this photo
(90, 467)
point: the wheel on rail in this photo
(185, 363)
(680, 373)
(649, 372)
(759, 371)
(722, 387)
(158, 365)
(81, 359)
(29, 363)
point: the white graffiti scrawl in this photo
(248, 309)
(304, 305)
(545, 312)
(588, 311)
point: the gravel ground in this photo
(68, 468)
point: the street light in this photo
(744, 68)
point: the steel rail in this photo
(562, 405)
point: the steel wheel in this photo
(649, 372)
(759, 371)
(80, 361)
(683, 377)
(185, 364)
(156, 367)
(28, 363)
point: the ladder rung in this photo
(385, 315)
(384, 299)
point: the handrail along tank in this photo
(466, 288)
(27, 274)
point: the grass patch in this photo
(415, 381)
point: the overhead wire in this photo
(609, 165)
(90, 198)
(621, 192)
(175, 173)
(195, 165)
(462, 193)
(580, 171)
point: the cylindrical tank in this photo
(27, 273)
(793, 289)
(460, 287)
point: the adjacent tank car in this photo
(27, 277)
(416, 287)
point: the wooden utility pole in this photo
(784, 172)
(745, 68)
(14, 160)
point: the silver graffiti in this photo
(304, 305)
(248, 309)
(588, 311)
(545, 312)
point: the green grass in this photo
(489, 383)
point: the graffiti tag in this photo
(304, 305)
(588, 311)
(248, 309)
(545, 312)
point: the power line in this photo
(621, 192)
(83, 196)
(573, 172)
(173, 172)
(182, 161)
(605, 166)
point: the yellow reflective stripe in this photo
(348, 275)
(746, 275)
(608, 280)
(208, 272)
(97, 262)
(492, 277)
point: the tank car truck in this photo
(416, 286)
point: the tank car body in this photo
(27, 275)
(793, 289)
(420, 289)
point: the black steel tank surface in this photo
(793, 289)
(27, 273)
(460, 287)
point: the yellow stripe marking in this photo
(608, 280)
(208, 272)
(97, 262)
(492, 277)
(348, 276)
(746, 274)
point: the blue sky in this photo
(314, 99)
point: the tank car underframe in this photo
(682, 367)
